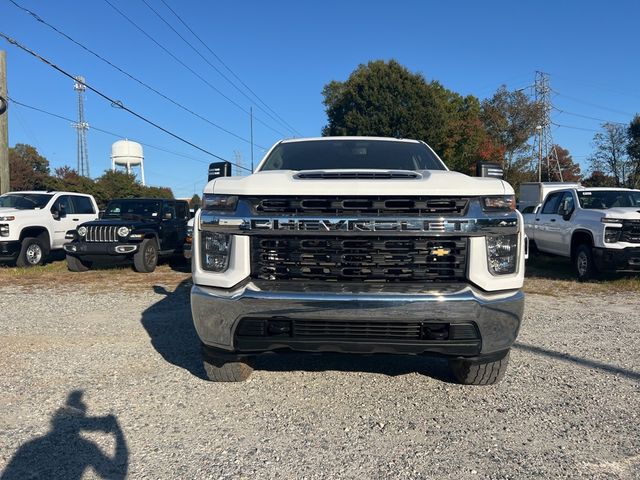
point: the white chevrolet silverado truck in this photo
(597, 228)
(34, 223)
(357, 245)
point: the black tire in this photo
(32, 252)
(478, 372)
(533, 250)
(227, 368)
(145, 259)
(584, 263)
(74, 264)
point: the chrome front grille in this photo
(359, 258)
(361, 205)
(630, 231)
(102, 233)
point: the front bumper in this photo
(97, 249)
(497, 316)
(9, 250)
(620, 260)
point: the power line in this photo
(101, 130)
(227, 67)
(575, 128)
(114, 102)
(157, 14)
(124, 72)
(586, 116)
(594, 105)
(168, 52)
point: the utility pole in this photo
(251, 126)
(4, 126)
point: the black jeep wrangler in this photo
(138, 229)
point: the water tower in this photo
(125, 153)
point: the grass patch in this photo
(55, 274)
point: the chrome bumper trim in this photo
(216, 312)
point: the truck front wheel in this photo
(227, 367)
(479, 372)
(584, 263)
(32, 252)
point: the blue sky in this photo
(286, 52)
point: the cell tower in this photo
(81, 127)
(544, 147)
(237, 156)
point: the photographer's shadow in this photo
(63, 453)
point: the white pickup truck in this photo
(598, 228)
(357, 245)
(34, 223)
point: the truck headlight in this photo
(612, 235)
(502, 203)
(215, 251)
(219, 202)
(124, 231)
(7, 219)
(4, 230)
(502, 253)
(82, 231)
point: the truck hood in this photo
(116, 222)
(429, 182)
(8, 211)
(629, 213)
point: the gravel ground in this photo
(110, 385)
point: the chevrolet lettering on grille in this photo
(344, 225)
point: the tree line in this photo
(30, 171)
(386, 99)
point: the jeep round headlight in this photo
(82, 231)
(123, 231)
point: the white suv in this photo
(34, 223)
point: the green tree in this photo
(599, 179)
(116, 184)
(157, 192)
(67, 179)
(510, 119)
(633, 150)
(610, 154)
(28, 169)
(385, 99)
(195, 201)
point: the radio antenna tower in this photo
(237, 156)
(81, 127)
(543, 140)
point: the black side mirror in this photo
(219, 169)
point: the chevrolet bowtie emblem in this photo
(440, 252)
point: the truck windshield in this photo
(133, 209)
(24, 201)
(352, 154)
(603, 199)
